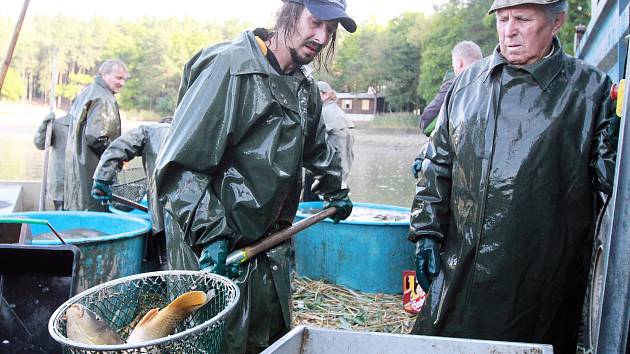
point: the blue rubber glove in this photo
(101, 191)
(416, 167)
(344, 208)
(427, 261)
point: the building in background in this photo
(362, 106)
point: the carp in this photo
(161, 323)
(84, 326)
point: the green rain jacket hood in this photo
(231, 167)
(95, 123)
(507, 186)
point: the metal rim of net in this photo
(55, 333)
(130, 183)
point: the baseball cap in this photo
(326, 10)
(324, 86)
(500, 4)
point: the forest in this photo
(404, 60)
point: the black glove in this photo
(427, 261)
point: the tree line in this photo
(404, 60)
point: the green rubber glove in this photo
(416, 167)
(213, 256)
(101, 191)
(427, 261)
(344, 208)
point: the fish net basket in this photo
(122, 303)
(130, 183)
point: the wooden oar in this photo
(47, 140)
(249, 252)
(16, 33)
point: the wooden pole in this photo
(9, 55)
(244, 254)
(53, 83)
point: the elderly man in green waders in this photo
(95, 123)
(503, 212)
(229, 172)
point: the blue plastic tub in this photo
(112, 248)
(369, 256)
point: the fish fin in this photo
(148, 317)
(190, 299)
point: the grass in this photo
(322, 304)
(404, 120)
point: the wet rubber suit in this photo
(144, 141)
(508, 189)
(337, 127)
(95, 124)
(58, 141)
(231, 169)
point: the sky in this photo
(254, 11)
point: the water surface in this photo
(380, 172)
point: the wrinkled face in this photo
(526, 33)
(115, 79)
(311, 36)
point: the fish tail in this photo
(191, 299)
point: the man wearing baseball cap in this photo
(230, 170)
(504, 208)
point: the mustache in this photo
(316, 45)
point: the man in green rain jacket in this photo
(229, 173)
(144, 141)
(95, 123)
(58, 141)
(503, 212)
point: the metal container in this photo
(313, 340)
(369, 256)
(114, 254)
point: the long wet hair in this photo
(287, 19)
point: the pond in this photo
(380, 172)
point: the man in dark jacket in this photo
(95, 123)
(58, 141)
(144, 141)
(230, 170)
(503, 212)
(463, 55)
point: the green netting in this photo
(123, 302)
(130, 183)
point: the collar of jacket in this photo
(99, 81)
(254, 61)
(543, 71)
